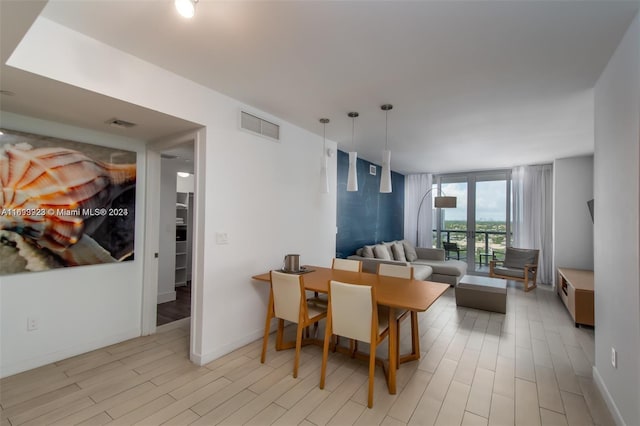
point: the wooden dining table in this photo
(395, 293)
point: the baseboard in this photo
(604, 392)
(29, 364)
(202, 359)
(166, 297)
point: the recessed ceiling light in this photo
(183, 174)
(186, 8)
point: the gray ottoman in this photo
(489, 294)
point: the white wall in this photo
(167, 248)
(616, 231)
(263, 194)
(572, 226)
(79, 308)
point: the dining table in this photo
(398, 294)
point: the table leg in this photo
(393, 341)
(415, 335)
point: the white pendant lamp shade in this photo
(352, 175)
(186, 8)
(324, 176)
(385, 180)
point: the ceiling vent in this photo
(259, 126)
(116, 122)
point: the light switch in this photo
(221, 238)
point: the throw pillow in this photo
(367, 251)
(409, 251)
(381, 252)
(398, 252)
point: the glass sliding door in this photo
(477, 230)
(453, 223)
(490, 218)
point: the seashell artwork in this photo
(64, 203)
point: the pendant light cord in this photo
(353, 125)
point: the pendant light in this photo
(324, 177)
(385, 180)
(352, 177)
(186, 8)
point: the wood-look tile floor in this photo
(529, 367)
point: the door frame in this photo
(152, 243)
(471, 179)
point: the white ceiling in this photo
(509, 78)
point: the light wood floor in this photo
(529, 367)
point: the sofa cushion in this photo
(381, 252)
(367, 251)
(422, 272)
(398, 252)
(409, 251)
(455, 268)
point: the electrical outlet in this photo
(222, 238)
(32, 323)
(614, 358)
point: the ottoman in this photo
(489, 294)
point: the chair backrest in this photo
(450, 246)
(287, 294)
(399, 271)
(353, 310)
(347, 265)
(518, 257)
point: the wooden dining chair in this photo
(287, 302)
(353, 314)
(400, 271)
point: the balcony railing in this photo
(487, 242)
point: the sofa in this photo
(428, 263)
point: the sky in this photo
(490, 200)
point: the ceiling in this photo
(475, 85)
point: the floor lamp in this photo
(440, 202)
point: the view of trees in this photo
(490, 235)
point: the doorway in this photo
(479, 227)
(177, 191)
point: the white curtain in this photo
(532, 214)
(415, 186)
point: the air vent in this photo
(259, 126)
(116, 122)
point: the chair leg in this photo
(296, 360)
(325, 351)
(280, 334)
(267, 327)
(372, 371)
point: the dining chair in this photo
(353, 314)
(342, 265)
(347, 265)
(400, 271)
(287, 302)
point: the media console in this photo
(575, 288)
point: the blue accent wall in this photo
(367, 216)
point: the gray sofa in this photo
(428, 263)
